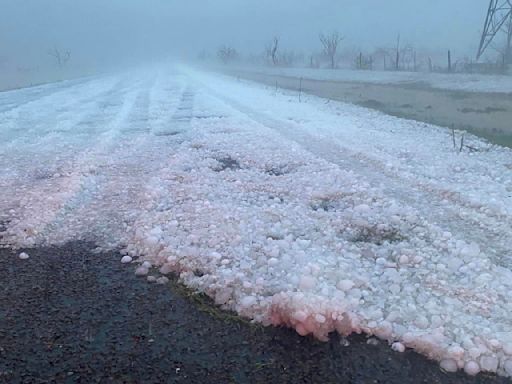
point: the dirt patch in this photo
(226, 163)
(331, 203)
(280, 170)
(373, 234)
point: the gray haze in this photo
(101, 31)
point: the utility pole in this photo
(498, 20)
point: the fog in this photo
(99, 33)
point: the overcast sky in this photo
(99, 28)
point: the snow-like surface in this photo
(322, 217)
(454, 82)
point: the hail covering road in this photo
(316, 215)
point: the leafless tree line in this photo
(274, 55)
(399, 56)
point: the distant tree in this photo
(62, 58)
(227, 54)
(364, 61)
(330, 45)
(271, 51)
(397, 59)
(313, 62)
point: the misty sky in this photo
(96, 29)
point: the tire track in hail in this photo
(110, 195)
(459, 217)
(39, 204)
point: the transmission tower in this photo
(498, 20)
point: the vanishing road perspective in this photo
(255, 192)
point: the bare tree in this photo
(271, 51)
(397, 61)
(364, 61)
(330, 46)
(61, 58)
(313, 62)
(227, 54)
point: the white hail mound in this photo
(321, 217)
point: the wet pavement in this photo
(70, 315)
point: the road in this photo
(316, 215)
(76, 316)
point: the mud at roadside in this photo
(488, 115)
(71, 315)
